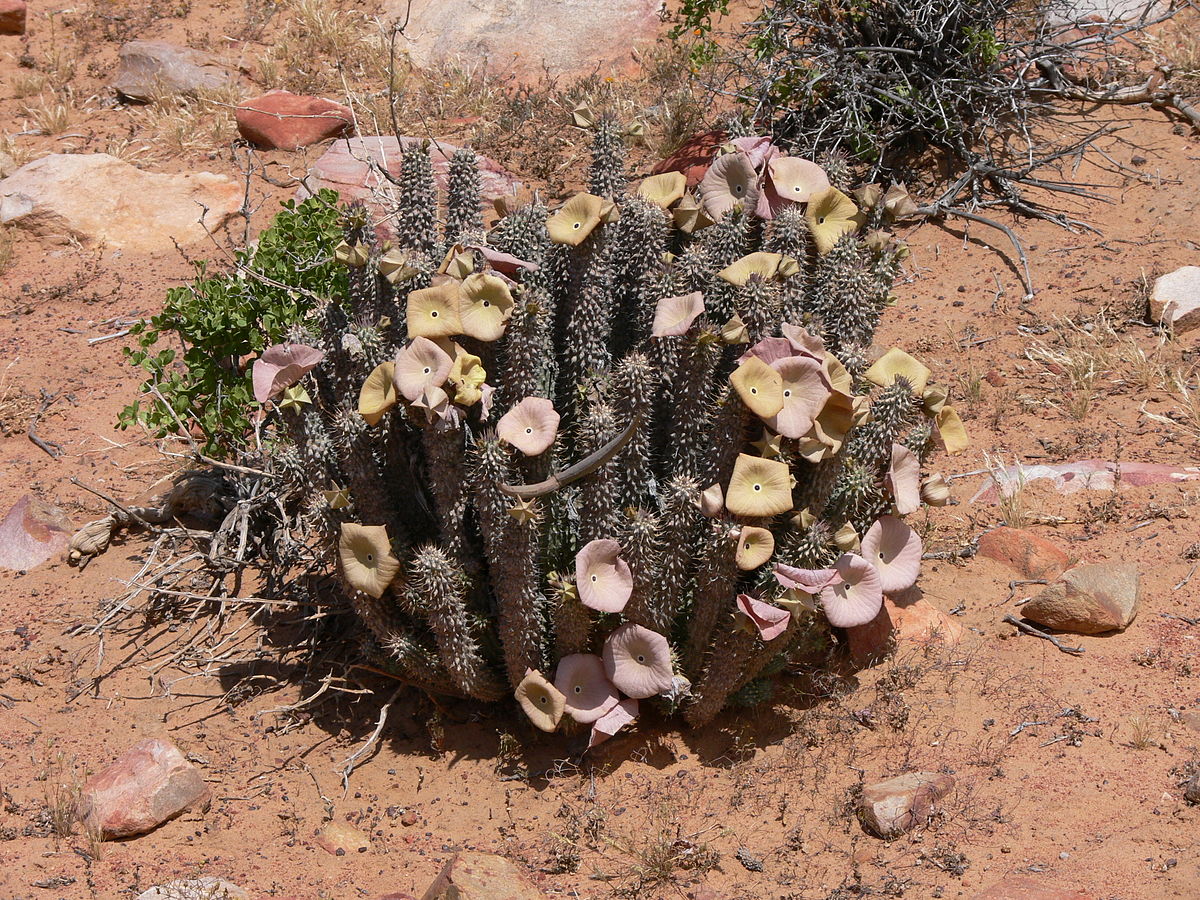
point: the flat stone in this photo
(32, 532)
(1091, 599)
(1029, 555)
(527, 38)
(346, 168)
(1086, 474)
(149, 784)
(148, 69)
(12, 16)
(281, 120)
(906, 618)
(341, 836)
(472, 875)
(1068, 12)
(97, 198)
(893, 807)
(1175, 299)
(206, 888)
(1018, 887)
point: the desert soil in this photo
(1066, 766)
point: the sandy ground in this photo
(1085, 797)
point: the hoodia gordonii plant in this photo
(625, 451)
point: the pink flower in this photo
(771, 621)
(281, 366)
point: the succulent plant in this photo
(631, 450)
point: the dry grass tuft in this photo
(1185, 414)
(7, 253)
(49, 115)
(181, 126)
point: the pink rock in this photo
(890, 808)
(1028, 554)
(346, 168)
(1175, 299)
(527, 39)
(694, 157)
(472, 875)
(904, 618)
(31, 533)
(281, 120)
(1092, 474)
(1018, 887)
(149, 784)
(12, 16)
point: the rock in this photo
(281, 120)
(1175, 299)
(518, 38)
(694, 157)
(1089, 599)
(1028, 554)
(149, 784)
(1068, 12)
(342, 839)
(1191, 789)
(904, 618)
(345, 168)
(1190, 719)
(97, 198)
(890, 808)
(472, 875)
(1089, 474)
(31, 533)
(8, 165)
(206, 888)
(12, 16)
(152, 68)
(1018, 887)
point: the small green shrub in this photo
(191, 350)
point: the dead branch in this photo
(52, 449)
(1037, 632)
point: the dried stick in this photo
(1037, 632)
(51, 448)
(937, 211)
(352, 760)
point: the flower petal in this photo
(771, 621)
